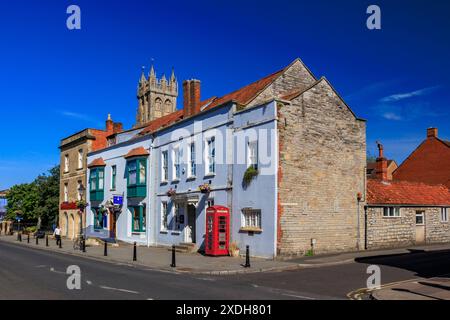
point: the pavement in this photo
(418, 289)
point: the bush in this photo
(30, 230)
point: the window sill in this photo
(164, 232)
(250, 229)
(210, 175)
(391, 217)
(79, 169)
(137, 233)
(164, 182)
(175, 181)
(175, 233)
(191, 178)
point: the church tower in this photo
(156, 97)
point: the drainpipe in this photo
(365, 228)
(149, 194)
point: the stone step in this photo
(184, 248)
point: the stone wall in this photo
(388, 232)
(321, 171)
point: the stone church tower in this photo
(156, 97)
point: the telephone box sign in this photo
(217, 231)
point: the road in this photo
(27, 273)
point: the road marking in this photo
(121, 290)
(89, 282)
(296, 296)
(53, 270)
(41, 266)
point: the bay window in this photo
(97, 182)
(137, 178)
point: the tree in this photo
(22, 199)
(37, 201)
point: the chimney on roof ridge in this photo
(381, 165)
(109, 124)
(432, 133)
(191, 97)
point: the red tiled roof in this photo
(247, 93)
(406, 193)
(99, 162)
(137, 152)
(162, 122)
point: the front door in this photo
(190, 227)
(112, 224)
(420, 226)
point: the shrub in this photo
(249, 175)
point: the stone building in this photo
(429, 163)
(306, 145)
(402, 213)
(156, 97)
(73, 167)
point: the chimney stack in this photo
(191, 97)
(432, 133)
(109, 124)
(118, 127)
(381, 167)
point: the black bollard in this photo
(60, 243)
(46, 240)
(247, 257)
(105, 250)
(134, 252)
(20, 237)
(37, 240)
(28, 239)
(173, 265)
(83, 244)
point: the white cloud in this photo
(79, 116)
(407, 95)
(392, 116)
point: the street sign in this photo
(19, 218)
(118, 200)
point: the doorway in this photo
(420, 227)
(112, 224)
(190, 227)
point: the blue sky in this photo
(56, 82)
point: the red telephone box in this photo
(217, 231)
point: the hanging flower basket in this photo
(103, 210)
(249, 175)
(205, 188)
(171, 192)
(81, 204)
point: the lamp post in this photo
(81, 190)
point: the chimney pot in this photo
(432, 133)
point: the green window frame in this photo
(97, 183)
(138, 218)
(137, 177)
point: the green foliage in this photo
(30, 230)
(309, 253)
(249, 175)
(36, 201)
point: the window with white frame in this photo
(165, 166)
(252, 153)
(80, 159)
(66, 192)
(251, 218)
(66, 163)
(192, 168)
(390, 212)
(444, 214)
(210, 156)
(176, 163)
(164, 216)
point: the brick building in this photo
(73, 166)
(429, 163)
(402, 213)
